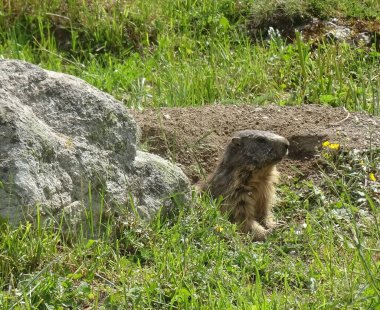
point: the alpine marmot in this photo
(246, 177)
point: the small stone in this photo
(363, 38)
(339, 33)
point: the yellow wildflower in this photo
(326, 143)
(372, 177)
(331, 146)
(218, 228)
(334, 146)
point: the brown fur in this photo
(246, 178)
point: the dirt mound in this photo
(196, 137)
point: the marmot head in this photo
(255, 149)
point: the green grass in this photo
(326, 253)
(186, 53)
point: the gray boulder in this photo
(153, 177)
(66, 146)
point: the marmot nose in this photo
(286, 142)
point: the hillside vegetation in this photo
(325, 253)
(189, 52)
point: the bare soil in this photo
(195, 137)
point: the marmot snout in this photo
(246, 178)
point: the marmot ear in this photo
(236, 141)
